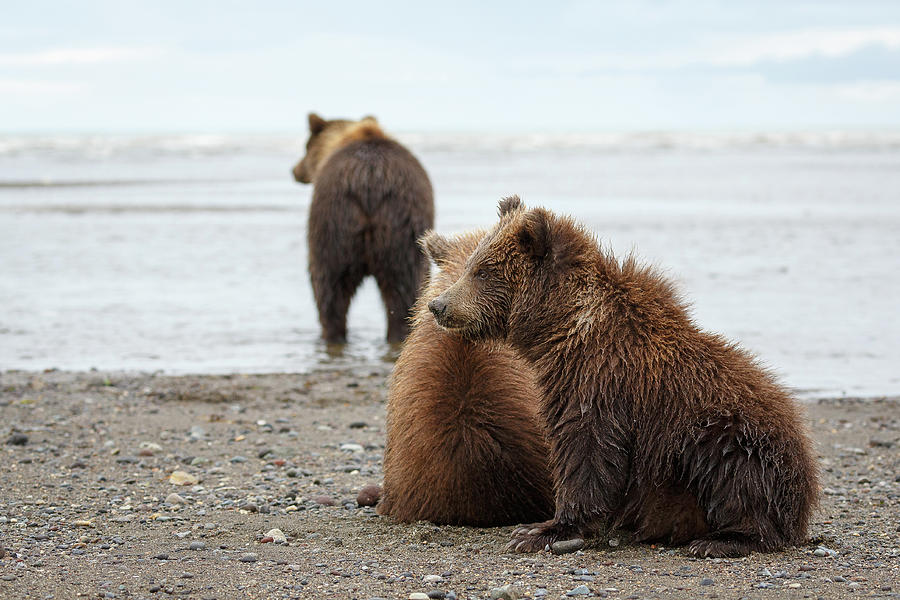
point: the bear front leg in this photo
(590, 466)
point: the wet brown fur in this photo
(655, 425)
(464, 444)
(372, 200)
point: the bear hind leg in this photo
(333, 292)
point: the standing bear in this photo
(371, 202)
(465, 443)
(655, 425)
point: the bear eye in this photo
(481, 274)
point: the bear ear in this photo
(369, 119)
(316, 123)
(509, 204)
(534, 236)
(436, 246)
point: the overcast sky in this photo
(220, 66)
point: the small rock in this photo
(324, 500)
(174, 498)
(506, 592)
(350, 447)
(238, 459)
(358, 425)
(249, 557)
(17, 439)
(706, 581)
(196, 433)
(82, 523)
(432, 579)
(368, 496)
(581, 590)
(437, 595)
(613, 543)
(418, 596)
(183, 478)
(198, 545)
(277, 536)
(161, 556)
(567, 546)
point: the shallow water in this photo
(187, 253)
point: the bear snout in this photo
(299, 174)
(438, 307)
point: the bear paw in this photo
(539, 536)
(731, 546)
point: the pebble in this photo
(822, 551)
(198, 545)
(183, 478)
(506, 592)
(358, 425)
(17, 439)
(567, 546)
(324, 500)
(249, 557)
(368, 496)
(196, 433)
(418, 596)
(174, 498)
(238, 459)
(706, 581)
(277, 536)
(352, 447)
(581, 590)
(613, 543)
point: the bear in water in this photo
(655, 425)
(371, 202)
(464, 440)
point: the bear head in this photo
(325, 137)
(507, 267)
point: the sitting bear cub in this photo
(655, 425)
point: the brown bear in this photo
(371, 202)
(655, 425)
(464, 440)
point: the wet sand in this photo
(87, 459)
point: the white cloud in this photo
(78, 56)
(721, 51)
(796, 45)
(43, 88)
(870, 91)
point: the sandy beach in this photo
(88, 507)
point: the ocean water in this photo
(188, 253)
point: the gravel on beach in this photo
(123, 485)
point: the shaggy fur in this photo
(464, 444)
(655, 425)
(372, 200)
